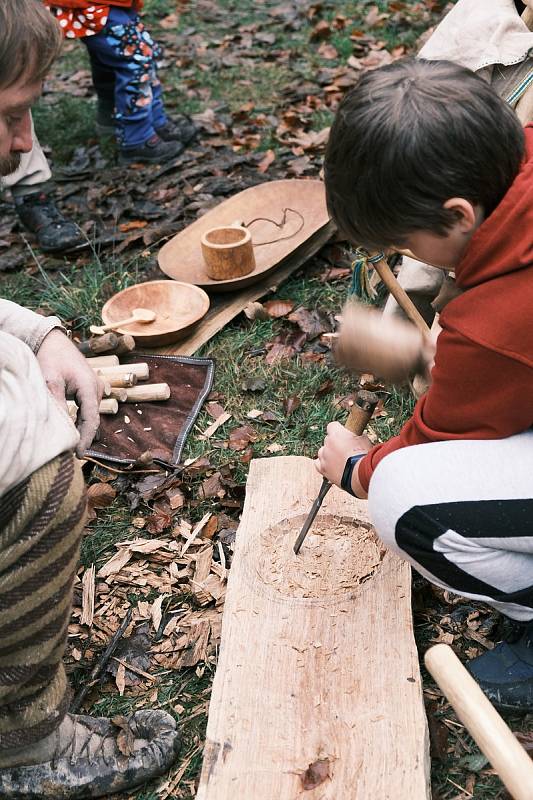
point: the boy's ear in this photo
(464, 212)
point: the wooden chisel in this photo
(360, 414)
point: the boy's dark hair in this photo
(407, 138)
(30, 40)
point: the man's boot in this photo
(91, 757)
(40, 215)
(506, 673)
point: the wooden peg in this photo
(141, 370)
(148, 392)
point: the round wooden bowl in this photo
(179, 307)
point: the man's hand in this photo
(339, 445)
(67, 374)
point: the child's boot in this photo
(506, 673)
(154, 151)
(180, 129)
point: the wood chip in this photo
(215, 425)
(87, 606)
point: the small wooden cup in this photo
(228, 252)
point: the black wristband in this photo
(346, 480)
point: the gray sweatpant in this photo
(462, 513)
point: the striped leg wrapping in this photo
(41, 521)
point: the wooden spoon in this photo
(143, 315)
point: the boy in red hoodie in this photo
(124, 67)
(424, 155)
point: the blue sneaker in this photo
(505, 674)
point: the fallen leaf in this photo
(290, 404)
(240, 438)
(278, 308)
(214, 409)
(100, 495)
(279, 352)
(132, 226)
(269, 158)
(315, 774)
(324, 388)
(312, 323)
(255, 310)
(254, 385)
(321, 30)
(213, 487)
(158, 522)
(275, 448)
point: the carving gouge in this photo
(360, 413)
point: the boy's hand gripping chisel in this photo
(360, 413)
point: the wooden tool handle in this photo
(400, 295)
(482, 721)
(361, 412)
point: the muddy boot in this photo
(91, 757)
(180, 129)
(154, 151)
(40, 215)
(506, 673)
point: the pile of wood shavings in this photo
(337, 555)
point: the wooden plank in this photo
(314, 669)
(225, 307)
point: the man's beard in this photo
(10, 164)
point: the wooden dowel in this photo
(103, 361)
(99, 344)
(482, 721)
(107, 406)
(400, 295)
(125, 381)
(141, 370)
(119, 394)
(148, 392)
(126, 344)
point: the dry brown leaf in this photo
(213, 487)
(255, 310)
(158, 522)
(312, 323)
(265, 162)
(291, 404)
(214, 409)
(279, 352)
(321, 30)
(240, 438)
(132, 226)
(100, 495)
(278, 308)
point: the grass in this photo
(76, 294)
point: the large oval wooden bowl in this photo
(179, 307)
(181, 257)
